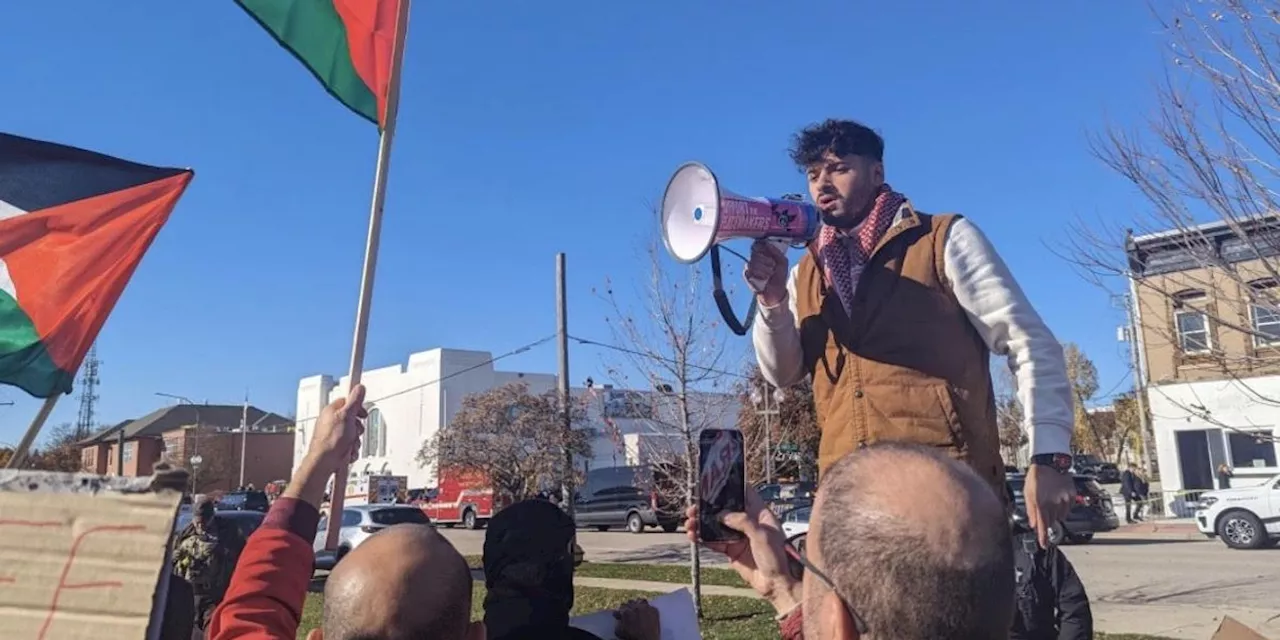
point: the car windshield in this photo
(388, 517)
(1088, 459)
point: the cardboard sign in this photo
(82, 556)
(1232, 629)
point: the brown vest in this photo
(908, 366)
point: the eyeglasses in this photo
(797, 556)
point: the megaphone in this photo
(698, 214)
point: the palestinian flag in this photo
(73, 226)
(347, 44)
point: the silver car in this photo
(358, 523)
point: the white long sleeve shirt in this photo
(998, 310)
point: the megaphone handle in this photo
(722, 299)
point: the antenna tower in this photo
(88, 394)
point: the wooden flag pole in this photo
(338, 494)
(20, 452)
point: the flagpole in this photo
(20, 452)
(338, 494)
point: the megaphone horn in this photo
(698, 214)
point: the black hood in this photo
(528, 571)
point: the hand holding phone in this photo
(722, 483)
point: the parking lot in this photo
(1163, 585)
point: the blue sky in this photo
(531, 128)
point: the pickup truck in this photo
(1243, 517)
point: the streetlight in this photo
(760, 398)
(195, 441)
(196, 461)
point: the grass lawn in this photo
(673, 573)
(726, 618)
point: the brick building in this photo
(183, 432)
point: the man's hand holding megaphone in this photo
(766, 273)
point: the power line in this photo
(650, 356)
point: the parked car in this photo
(1243, 517)
(243, 501)
(359, 522)
(796, 521)
(238, 524)
(1107, 473)
(1091, 513)
(631, 498)
(783, 497)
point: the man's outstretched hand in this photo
(761, 557)
(1048, 494)
(335, 442)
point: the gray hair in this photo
(906, 579)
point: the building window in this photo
(128, 452)
(1252, 448)
(375, 435)
(1193, 331)
(1266, 325)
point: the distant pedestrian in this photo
(1224, 476)
(205, 560)
(1133, 488)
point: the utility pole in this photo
(244, 435)
(562, 330)
(1139, 378)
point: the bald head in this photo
(916, 543)
(405, 582)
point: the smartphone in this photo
(722, 482)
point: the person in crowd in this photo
(904, 543)
(203, 557)
(528, 573)
(406, 582)
(1224, 476)
(894, 313)
(1131, 489)
(1051, 601)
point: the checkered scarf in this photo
(843, 254)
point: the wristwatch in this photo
(1060, 462)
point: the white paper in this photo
(675, 611)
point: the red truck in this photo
(463, 497)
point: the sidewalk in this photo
(660, 587)
(1167, 529)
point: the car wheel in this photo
(634, 523)
(1057, 534)
(602, 527)
(670, 527)
(1241, 530)
(469, 520)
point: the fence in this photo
(1168, 504)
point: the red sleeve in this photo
(270, 582)
(792, 626)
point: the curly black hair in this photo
(841, 137)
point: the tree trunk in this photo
(691, 495)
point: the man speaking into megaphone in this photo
(894, 313)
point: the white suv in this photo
(1244, 517)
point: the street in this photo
(1154, 584)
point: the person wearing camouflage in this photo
(204, 559)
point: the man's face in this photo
(843, 187)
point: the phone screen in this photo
(722, 482)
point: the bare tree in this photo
(792, 432)
(59, 452)
(672, 345)
(1010, 419)
(512, 436)
(1207, 164)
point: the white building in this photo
(409, 404)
